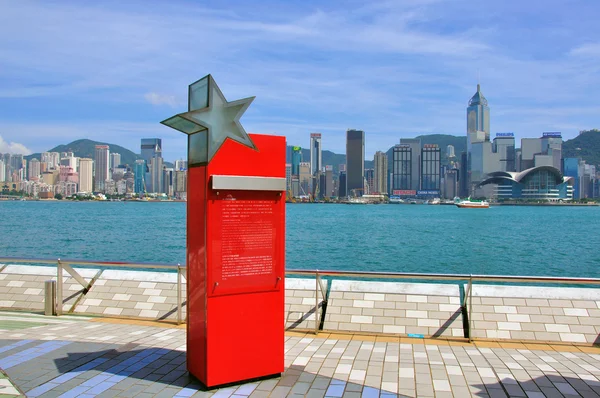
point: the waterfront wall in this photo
(555, 314)
(133, 294)
(570, 315)
(395, 308)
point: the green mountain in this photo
(586, 146)
(86, 149)
(443, 140)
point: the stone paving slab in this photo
(7, 388)
(117, 359)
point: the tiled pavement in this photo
(85, 357)
(7, 388)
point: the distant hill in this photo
(586, 146)
(442, 140)
(85, 148)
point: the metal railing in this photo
(321, 296)
(66, 265)
(466, 302)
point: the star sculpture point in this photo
(210, 120)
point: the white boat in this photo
(434, 201)
(357, 201)
(473, 204)
(396, 200)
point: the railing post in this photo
(470, 307)
(179, 294)
(59, 287)
(317, 302)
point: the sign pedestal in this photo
(236, 263)
(235, 241)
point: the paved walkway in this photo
(74, 356)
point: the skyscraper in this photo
(69, 161)
(288, 177)
(451, 187)
(86, 166)
(478, 114)
(139, 173)
(450, 151)
(552, 146)
(544, 151)
(2, 170)
(156, 175)
(478, 139)
(180, 165)
(315, 153)
(151, 147)
(407, 164)
(305, 178)
(16, 161)
(180, 182)
(168, 181)
(34, 169)
(355, 162)
(327, 189)
(504, 147)
(430, 167)
(115, 160)
(52, 159)
(571, 169)
(296, 159)
(380, 164)
(463, 179)
(17, 167)
(7, 168)
(102, 166)
(342, 193)
(369, 181)
(151, 151)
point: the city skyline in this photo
(311, 86)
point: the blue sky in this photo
(112, 70)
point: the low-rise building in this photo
(539, 183)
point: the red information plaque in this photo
(236, 262)
(245, 253)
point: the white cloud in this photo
(13, 147)
(159, 99)
(394, 69)
(586, 50)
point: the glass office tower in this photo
(355, 162)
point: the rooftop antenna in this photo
(478, 78)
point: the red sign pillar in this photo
(236, 262)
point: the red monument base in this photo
(236, 263)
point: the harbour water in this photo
(548, 241)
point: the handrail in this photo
(450, 277)
(333, 273)
(466, 304)
(108, 264)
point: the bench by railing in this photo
(320, 298)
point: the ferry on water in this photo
(396, 199)
(472, 204)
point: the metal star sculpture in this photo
(210, 120)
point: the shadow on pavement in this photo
(539, 387)
(133, 369)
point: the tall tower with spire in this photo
(478, 114)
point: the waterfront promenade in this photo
(81, 356)
(120, 337)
